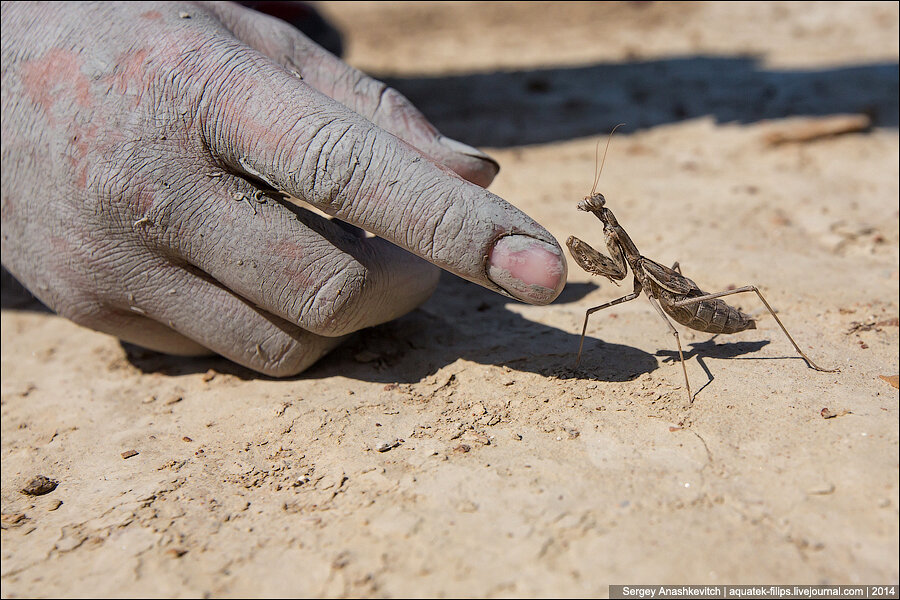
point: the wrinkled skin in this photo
(143, 145)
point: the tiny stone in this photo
(39, 486)
(385, 446)
(54, 505)
(827, 413)
(129, 453)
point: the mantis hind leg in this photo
(687, 383)
(753, 288)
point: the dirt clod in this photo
(39, 486)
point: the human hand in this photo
(144, 146)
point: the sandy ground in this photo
(516, 475)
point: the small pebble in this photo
(827, 413)
(385, 446)
(39, 486)
(54, 505)
(129, 453)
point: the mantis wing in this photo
(669, 279)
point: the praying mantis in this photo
(670, 293)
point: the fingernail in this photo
(529, 269)
(468, 150)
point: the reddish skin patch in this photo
(286, 249)
(80, 146)
(56, 76)
(131, 69)
(153, 15)
(56, 79)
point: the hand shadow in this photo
(710, 349)
(14, 296)
(461, 321)
(509, 108)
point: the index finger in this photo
(264, 121)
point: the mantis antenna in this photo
(597, 157)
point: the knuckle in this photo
(397, 114)
(285, 361)
(336, 160)
(334, 308)
(392, 104)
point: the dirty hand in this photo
(143, 145)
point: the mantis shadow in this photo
(465, 321)
(710, 349)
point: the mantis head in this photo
(592, 203)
